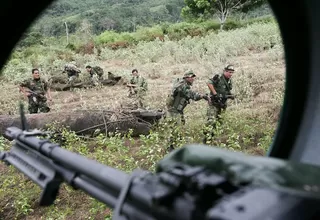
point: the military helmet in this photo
(189, 73)
(229, 68)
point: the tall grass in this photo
(249, 123)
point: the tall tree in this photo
(219, 8)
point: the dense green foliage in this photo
(119, 24)
(222, 9)
(97, 16)
(101, 15)
(175, 31)
(82, 41)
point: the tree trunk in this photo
(86, 122)
(221, 26)
(222, 15)
(67, 32)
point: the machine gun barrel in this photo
(102, 173)
(49, 165)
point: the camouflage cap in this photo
(229, 68)
(189, 73)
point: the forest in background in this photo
(117, 15)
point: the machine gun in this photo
(183, 186)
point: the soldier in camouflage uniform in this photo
(38, 93)
(96, 74)
(138, 88)
(220, 87)
(179, 98)
(72, 71)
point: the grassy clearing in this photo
(249, 124)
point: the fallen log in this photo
(65, 87)
(86, 122)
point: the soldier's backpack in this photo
(170, 99)
(71, 67)
(99, 71)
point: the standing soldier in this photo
(96, 74)
(220, 87)
(38, 93)
(72, 71)
(179, 98)
(138, 87)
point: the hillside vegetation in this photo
(116, 15)
(253, 46)
(104, 15)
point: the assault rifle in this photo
(182, 188)
(220, 100)
(35, 95)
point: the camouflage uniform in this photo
(218, 104)
(179, 98)
(139, 92)
(37, 99)
(96, 75)
(72, 71)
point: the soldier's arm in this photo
(48, 91)
(211, 86)
(49, 94)
(197, 96)
(22, 88)
(131, 85)
(212, 89)
(230, 85)
(192, 95)
(144, 85)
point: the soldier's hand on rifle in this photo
(26, 94)
(217, 97)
